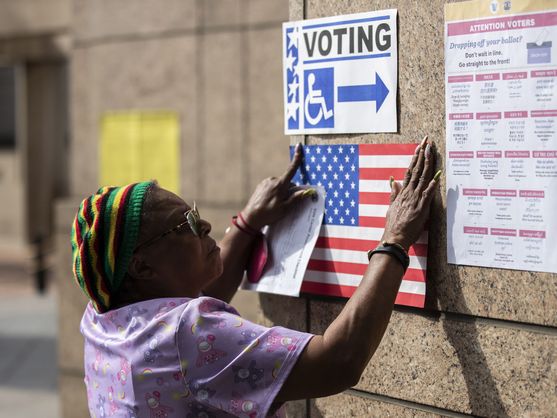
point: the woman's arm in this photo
(271, 200)
(334, 361)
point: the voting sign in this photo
(340, 74)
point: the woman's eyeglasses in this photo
(192, 220)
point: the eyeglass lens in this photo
(192, 216)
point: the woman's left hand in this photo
(274, 196)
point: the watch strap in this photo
(396, 251)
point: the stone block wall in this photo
(486, 344)
(217, 63)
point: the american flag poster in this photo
(356, 181)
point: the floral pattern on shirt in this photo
(179, 357)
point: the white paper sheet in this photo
(340, 74)
(291, 242)
(501, 118)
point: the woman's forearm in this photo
(334, 361)
(359, 328)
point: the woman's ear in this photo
(139, 269)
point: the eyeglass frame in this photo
(192, 220)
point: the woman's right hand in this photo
(411, 201)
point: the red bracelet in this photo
(248, 226)
(241, 228)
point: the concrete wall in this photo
(30, 17)
(486, 344)
(33, 38)
(11, 188)
(34, 30)
(218, 64)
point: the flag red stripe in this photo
(387, 149)
(372, 221)
(408, 299)
(328, 289)
(375, 198)
(382, 173)
(419, 250)
(416, 275)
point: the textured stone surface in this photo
(247, 303)
(73, 397)
(344, 405)
(72, 301)
(12, 188)
(223, 12)
(153, 74)
(497, 293)
(54, 46)
(268, 146)
(230, 13)
(223, 155)
(285, 311)
(24, 17)
(296, 409)
(98, 19)
(467, 366)
(220, 218)
(296, 9)
(71, 305)
(263, 11)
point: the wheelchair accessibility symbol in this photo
(319, 98)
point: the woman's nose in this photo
(204, 227)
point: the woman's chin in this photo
(216, 271)
(220, 269)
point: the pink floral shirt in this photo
(184, 358)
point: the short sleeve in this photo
(230, 364)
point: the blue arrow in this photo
(365, 93)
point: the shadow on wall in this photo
(313, 411)
(483, 396)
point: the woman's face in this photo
(180, 263)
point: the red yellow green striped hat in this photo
(104, 235)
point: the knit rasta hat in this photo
(104, 235)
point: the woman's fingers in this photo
(408, 174)
(293, 189)
(429, 164)
(413, 163)
(428, 193)
(300, 195)
(294, 165)
(418, 168)
(395, 189)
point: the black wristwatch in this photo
(394, 250)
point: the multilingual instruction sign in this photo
(501, 116)
(340, 74)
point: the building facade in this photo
(34, 52)
(486, 344)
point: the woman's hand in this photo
(274, 196)
(411, 201)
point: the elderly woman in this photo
(160, 338)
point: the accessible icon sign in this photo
(340, 74)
